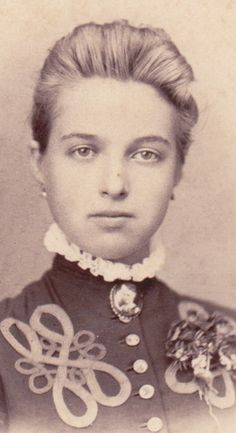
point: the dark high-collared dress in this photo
(68, 364)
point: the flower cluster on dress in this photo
(205, 344)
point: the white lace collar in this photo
(55, 241)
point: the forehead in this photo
(105, 106)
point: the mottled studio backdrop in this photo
(200, 231)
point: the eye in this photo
(146, 155)
(84, 152)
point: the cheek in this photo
(65, 184)
(153, 199)
(156, 188)
(69, 203)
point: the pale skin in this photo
(110, 166)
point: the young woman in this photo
(99, 343)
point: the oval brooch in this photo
(126, 302)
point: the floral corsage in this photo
(202, 347)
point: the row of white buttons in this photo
(154, 424)
(132, 340)
(146, 391)
(140, 366)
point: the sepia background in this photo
(200, 229)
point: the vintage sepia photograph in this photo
(118, 216)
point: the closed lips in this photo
(112, 215)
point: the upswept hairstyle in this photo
(123, 52)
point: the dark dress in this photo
(33, 393)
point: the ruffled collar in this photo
(56, 241)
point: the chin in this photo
(119, 252)
(115, 247)
(115, 251)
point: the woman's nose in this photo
(114, 182)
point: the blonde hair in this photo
(123, 52)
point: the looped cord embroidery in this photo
(49, 357)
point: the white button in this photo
(146, 391)
(132, 340)
(154, 424)
(140, 366)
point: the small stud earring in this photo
(172, 197)
(43, 192)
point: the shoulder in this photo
(164, 308)
(22, 305)
(188, 305)
(183, 302)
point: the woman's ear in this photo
(178, 173)
(178, 176)
(35, 161)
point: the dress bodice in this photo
(67, 363)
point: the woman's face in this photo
(110, 166)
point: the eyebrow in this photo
(80, 135)
(152, 139)
(136, 141)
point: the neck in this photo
(138, 267)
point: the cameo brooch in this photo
(126, 301)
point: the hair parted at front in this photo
(123, 52)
